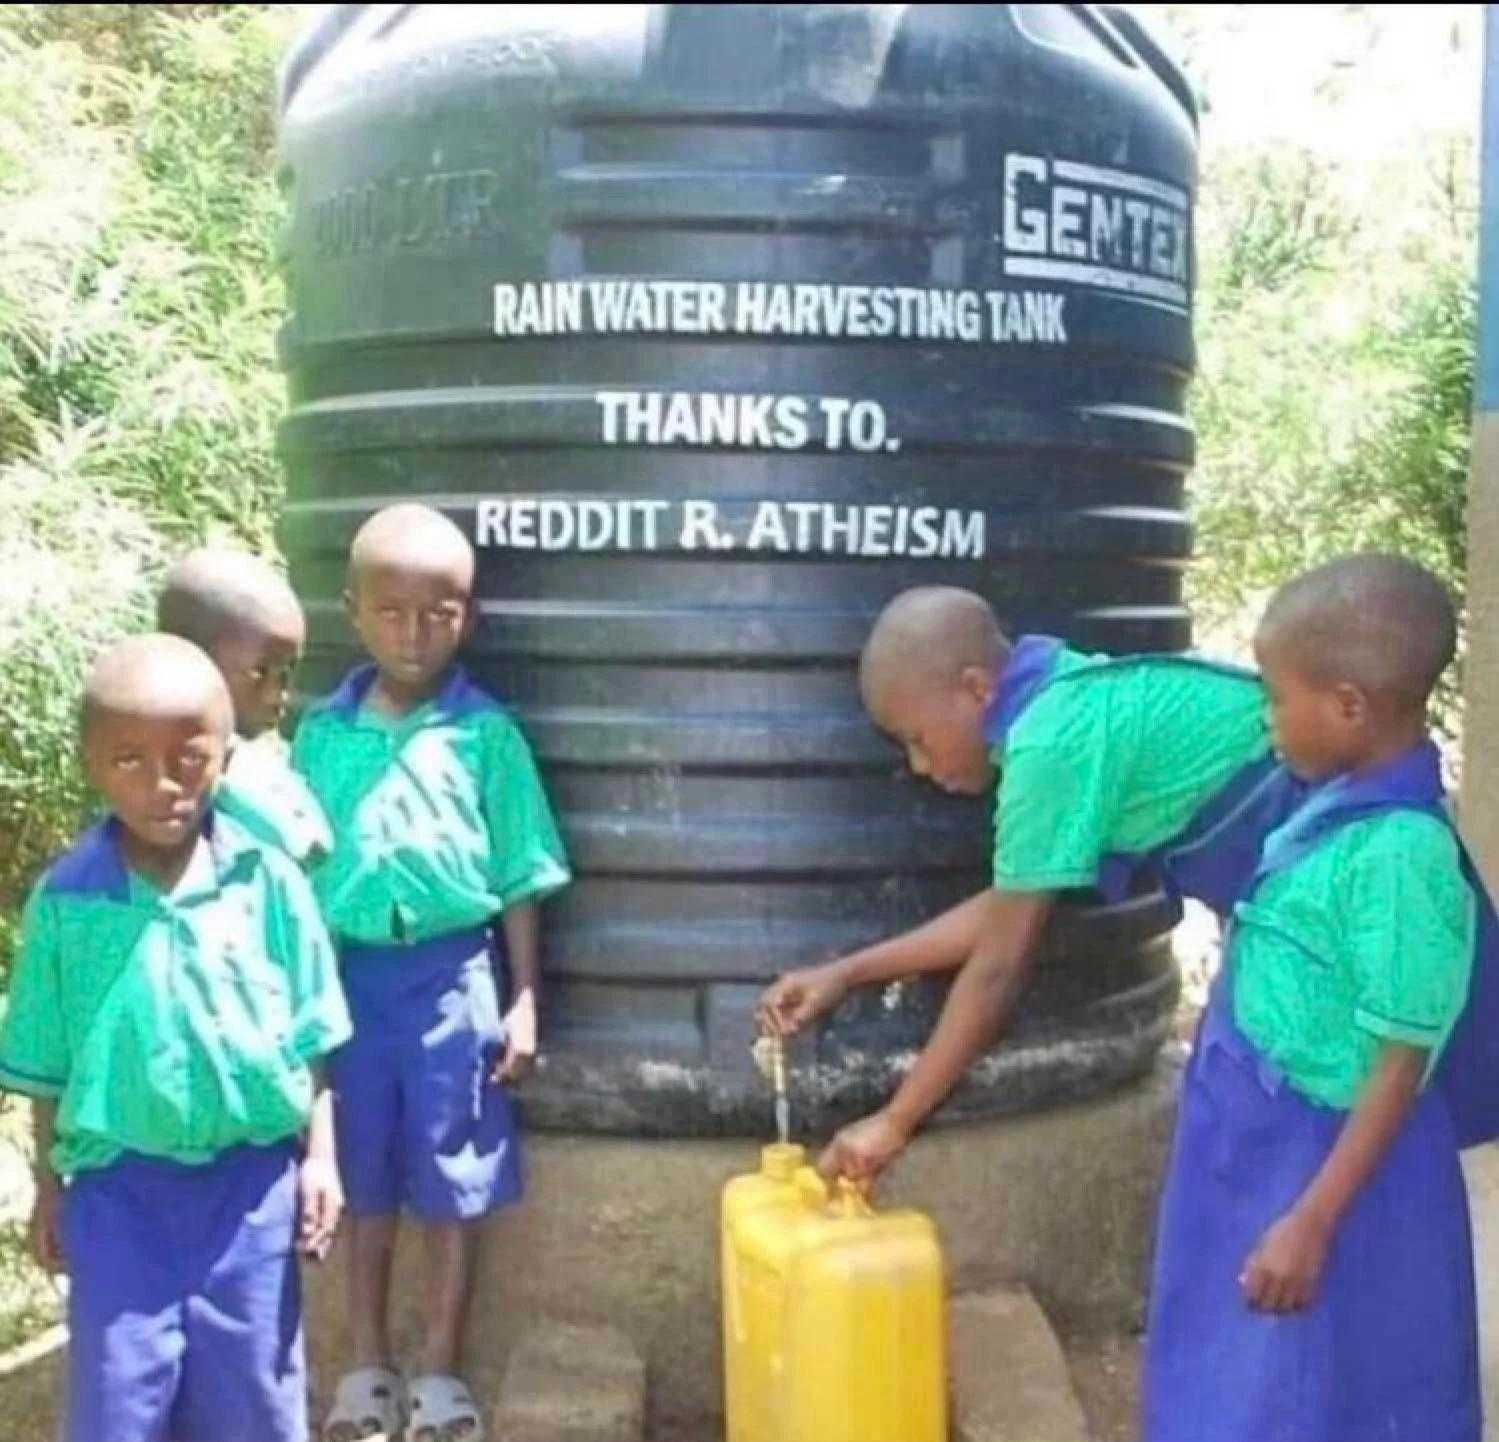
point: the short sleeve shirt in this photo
(1117, 758)
(1369, 938)
(440, 822)
(177, 1025)
(264, 795)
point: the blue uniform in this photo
(175, 1032)
(1388, 1348)
(440, 823)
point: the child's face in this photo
(258, 663)
(941, 730)
(1320, 728)
(412, 622)
(157, 772)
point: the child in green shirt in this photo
(1314, 1270)
(173, 992)
(440, 827)
(245, 616)
(1105, 766)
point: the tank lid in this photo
(1144, 44)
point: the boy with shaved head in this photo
(243, 614)
(1108, 768)
(173, 992)
(1314, 1269)
(441, 828)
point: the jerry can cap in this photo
(780, 1160)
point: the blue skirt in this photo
(1388, 1350)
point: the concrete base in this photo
(626, 1233)
(572, 1384)
(1009, 1378)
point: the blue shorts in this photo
(420, 1125)
(185, 1306)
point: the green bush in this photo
(1332, 404)
(138, 307)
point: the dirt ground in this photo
(1106, 1377)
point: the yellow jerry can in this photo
(833, 1315)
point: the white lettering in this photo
(835, 411)
(1025, 227)
(924, 524)
(1067, 206)
(607, 299)
(650, 517)
(768, 530)
(699, 525)
(523, 525)
(1139, 220)
(489, 524)
(963, 536)
(1107, 228)
(754, 421)
(970, 317)
(847, 528)
(866, 426)
(596, 523)
(1162, 241)
(1056, 327)
(680, 427)
(559, 524)
(792, 431)
(805, 514)
(612, 403)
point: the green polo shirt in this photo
(175, 1025)
(1116, 760)
(439, 818)
(264, 795)
(1369, 938)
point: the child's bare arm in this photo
(522, 923)
(978, 1007)
(46, 1239)
(942, 944)
(320, 1193)
(1283, 1272)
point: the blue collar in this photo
(1026, 673)
(1412, 779)
(95, 864)
(457, 696)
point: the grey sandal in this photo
(442, 1409)
(367, 1405)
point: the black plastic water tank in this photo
(716, 326)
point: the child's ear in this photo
(1352, 703)
(977, 684)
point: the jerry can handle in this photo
(811, 1187)
(849, 1198)
(853, 1198)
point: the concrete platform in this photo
(625, 1233)
(1009, 1377)
(571, 1384)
